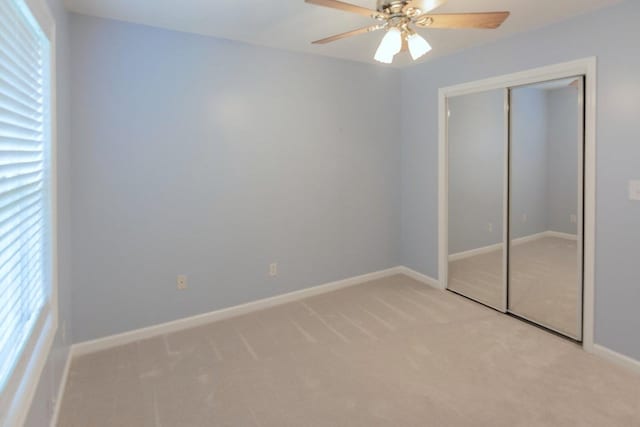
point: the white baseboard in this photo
(615, 357)
(61, 387)
(420, 277)
(225, 313)
(189, 322)
(518, 241)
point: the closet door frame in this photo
(586, 67)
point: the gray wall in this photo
(212, 158)
(476, 170)
(528, 186)
(44, 400)
(563, 121)
(611, 34)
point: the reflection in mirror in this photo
(545, 213)
(476, 168)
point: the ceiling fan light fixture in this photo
(399, 17)
(390, 45)
(384, 58)
(418, 46)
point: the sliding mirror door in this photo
(476, 152)
(545, 204)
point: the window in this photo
(26, 314)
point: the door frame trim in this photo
(586, 67)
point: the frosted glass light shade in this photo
(418, 46)
(390, 45)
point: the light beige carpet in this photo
(543, 285)
(392, 352)
(479, 277)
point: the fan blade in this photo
(425, 5)
(347, 7)
(462, 20)
(348, 34)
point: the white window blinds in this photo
(24, 169)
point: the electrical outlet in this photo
(182, 282)
(524, 217)
(490, 227)
(573, 218)
(273, 269)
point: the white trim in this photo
(579, 148)
(586, 67)
(63, 385)
(35, 363)
(617, 358)
(589, 212)
(523, 78)
(443, 188)
(225, 313)
(423, 278)
(41, 12)
(181, 324)
(506, 107)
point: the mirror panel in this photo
(476, 192)
(545, 198)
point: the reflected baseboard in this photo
(475, 252)
(518, 241)
(561, 235)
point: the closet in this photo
(514, 199)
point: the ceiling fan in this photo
(397, 17)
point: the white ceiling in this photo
(293, 24)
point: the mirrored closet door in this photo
(477, 153)
(545, 204)
(514, 201)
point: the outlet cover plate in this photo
(182, 282)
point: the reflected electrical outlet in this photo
(182, 283)
(634, 190)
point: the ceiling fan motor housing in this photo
(398, 13)
(397, 7)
